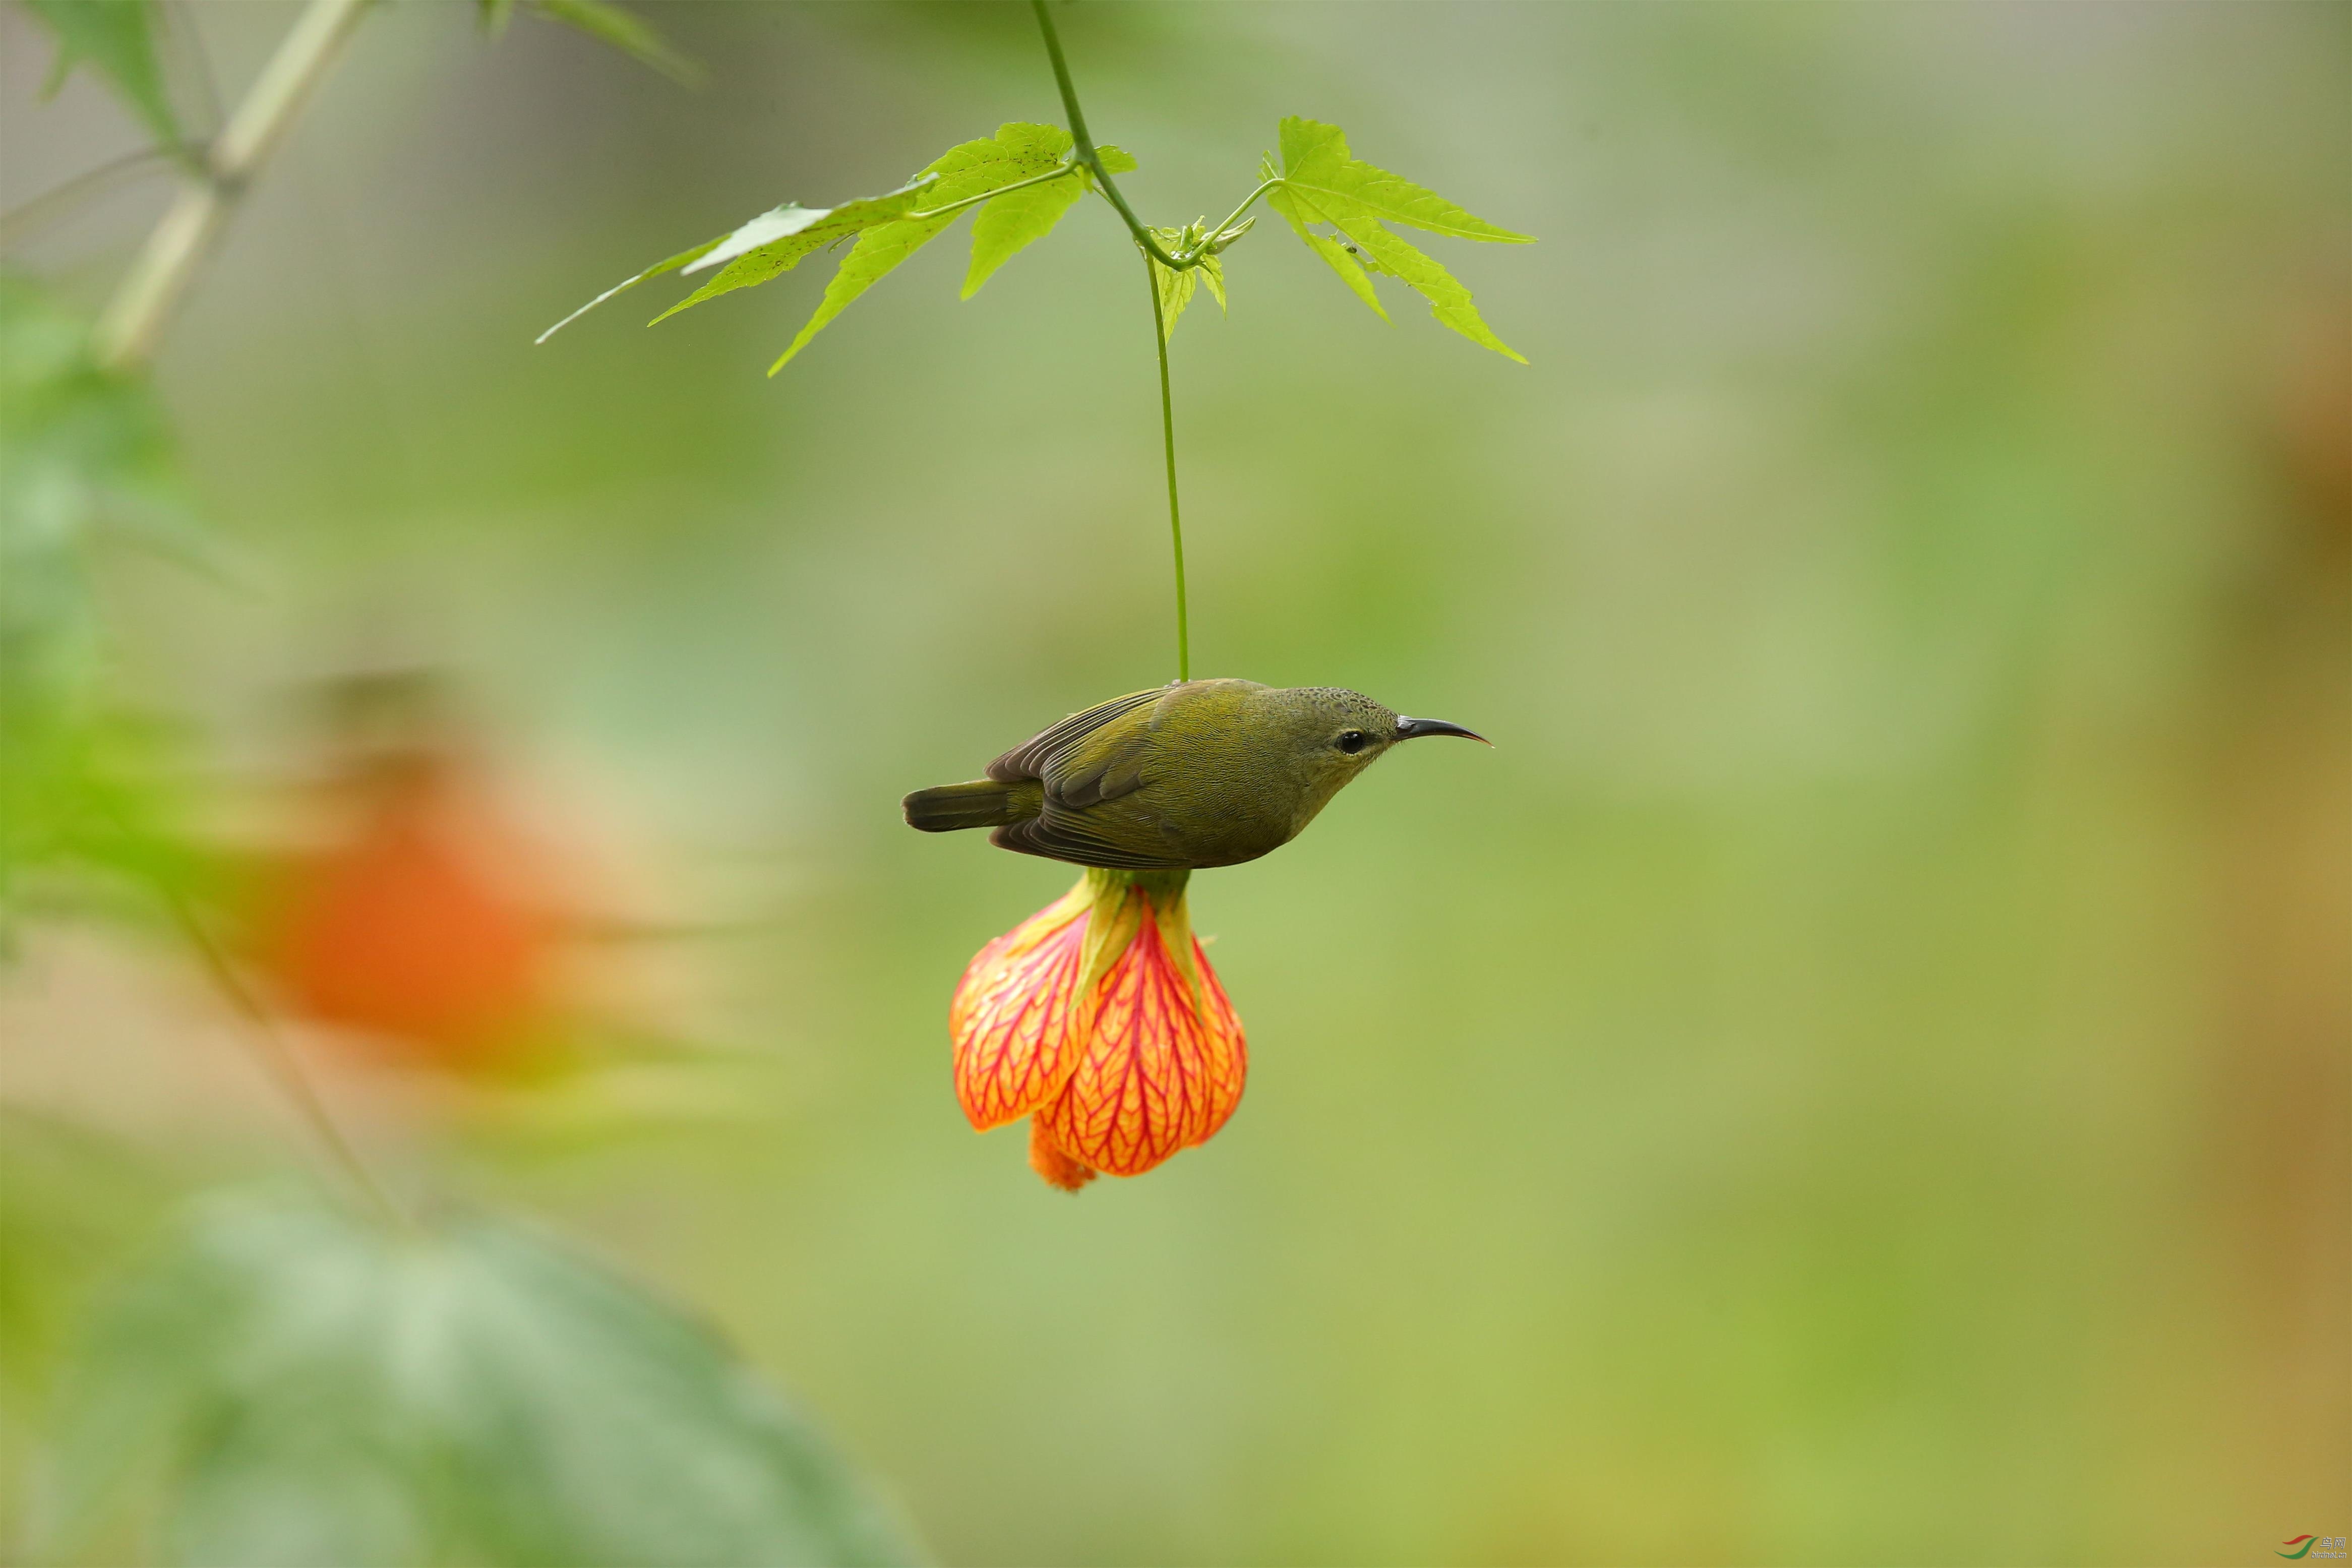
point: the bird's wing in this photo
(1106, 765)
(1063, 835)
(1043, 754)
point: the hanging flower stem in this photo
(1168, 441)
(1153, 256)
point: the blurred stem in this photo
(134, 319)
(1168, 441)
(60, 201)
(278, 1057)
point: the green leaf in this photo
(1322, 184)
(84, 458)
(287, 1383)
(777, 239)
(1115, 160)
(890, 227)
(625, 30)
(1316, 166)
(1019, 218)
(656, 271)
(1176, 284)
(74, 1206)
(1341, 259)
(117, 38)
(1017, 152)
(1175, 288)
(1449, 302)
(494, 16)
(1212, 276)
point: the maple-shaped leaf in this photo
(776, 241)
(759, 248)
(1017, 152)
(1031, 164)
(282, 1382)
(1019, 218)
(625, 30)
(117, 38)
(1321, 182)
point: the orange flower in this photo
(426, 925)
(1100, 1020)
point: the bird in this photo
(1179, 777)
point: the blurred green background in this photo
(1858, 1075)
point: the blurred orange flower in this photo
(422, 925)
(1100, 1020)
(421, 918)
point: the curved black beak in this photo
(1413, 729)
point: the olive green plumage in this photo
(1201, 773)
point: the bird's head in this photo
(1336, 734)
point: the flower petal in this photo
(1149, 1081)
(1018, 1016)
(1225, 1049)
(1046, 1158)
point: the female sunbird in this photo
(1202, 773)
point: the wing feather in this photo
(1035, 756)
(1057, 835)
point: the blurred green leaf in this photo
(494, 16)
(71, 1203)
(1017, 152)
(1321, 182)
(625, 30)
(299, 1386)
(84, 456)
(117, 38)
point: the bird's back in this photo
(1188, 775)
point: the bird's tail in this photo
(983, 803)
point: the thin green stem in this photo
(1168, 441)
(1063, 172)
(1232, 218)
(1091, 158)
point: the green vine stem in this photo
(1167, 442)
(1154, 257)
(1086, 144)
(1086, 154)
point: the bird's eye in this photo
(1353, 740)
